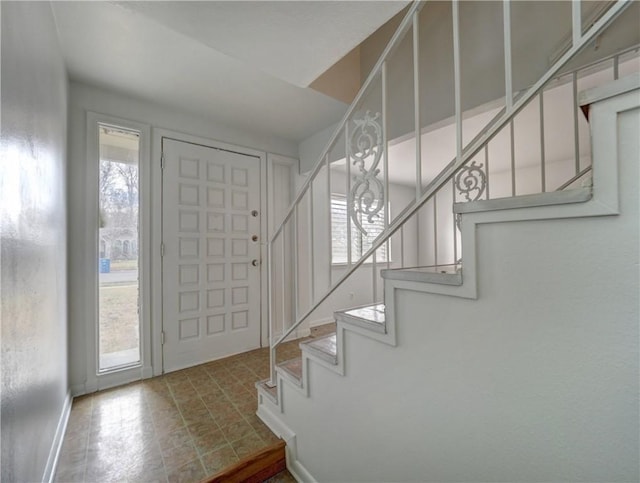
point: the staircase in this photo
(435, 347)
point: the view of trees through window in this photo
(118, 245)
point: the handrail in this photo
(514, 105)
(574, 178)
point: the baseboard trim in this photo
(298, 471)
(78, 390)
(56, 446)
(275, 424)
(317, 322)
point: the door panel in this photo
(211, 290)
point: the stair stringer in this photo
(604, 202)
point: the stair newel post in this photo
(284, 278)
(272, 358)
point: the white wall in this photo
(536, 380)
(33, 241)
(85, 98)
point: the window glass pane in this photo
(360, 242)
(118, 314)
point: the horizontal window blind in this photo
(360, 242)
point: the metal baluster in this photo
(374, 269)
(435, 230)
(508, 85)
(456, 78)
(576, 108)
(295, 263)
(513, 159)
(486, 163)
(329, 225)
(348, 181)
(543, 161)
(402, 264)
(455, 228)
(385, 155)
(416, 103)
(576, 18)
(311, 243)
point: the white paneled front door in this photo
(211, 224)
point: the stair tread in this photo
(371, 317)
(293, 368)
(324, 347)
(441, 274)
(372, 313)
(271, 391)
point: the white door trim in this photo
(156, 230)
(95, 382)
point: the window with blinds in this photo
(360, 243)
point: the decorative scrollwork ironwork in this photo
(367, 196)
(471, 181)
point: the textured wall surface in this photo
(33, 238)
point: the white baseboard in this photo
(56, 446)
(317, 322)
(78, 390)
(298, 471)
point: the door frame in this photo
(94, 381)
(158, 134)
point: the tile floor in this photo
(183, 426)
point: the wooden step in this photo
(370, 317)
(322, 347)
(254, 468)
(292, 370)
(264, 388)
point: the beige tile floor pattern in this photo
(180, 427)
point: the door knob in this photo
(255, 262)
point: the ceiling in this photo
(244, 64)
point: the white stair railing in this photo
(362, 141)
